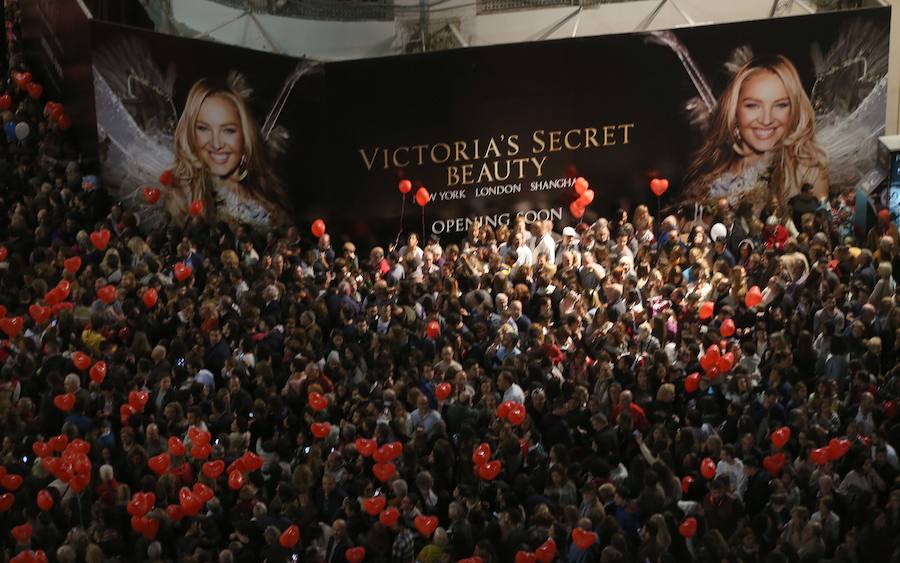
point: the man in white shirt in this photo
(546, 245)
(523, 253)
(733, 468)
(511, 390)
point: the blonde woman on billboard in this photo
(221, 159)
(761, 141)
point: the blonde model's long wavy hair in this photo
(795, 157)
(255, 173)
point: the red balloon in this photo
(64, 402)
(72, 265)
(382, 454)
(727, 328)
(5, 101)
(107, 294)
(355, 554)
(774, 463)
(318, 228)
(203, 491)
(432, 329)
(39, 313)
(182, 271)
(365, 446)
(40, 449)
(151, 194)
(516, 414)
(686, 483)
(196, 208)
(167, 178)
(583, 538)
(201, 452)
(422, 197)
(290, 537)
(58, 443)
(692, 383)
(100, 238)
(159, 464)
(781, 436)
(546, 552)
(725, 363)
(3, 253)
(138, 400)
(150, 297)
(251, 461)
(395, 450)
(6, 501)
(659, 186)
(199, 437)
(64, 122)
(125, 413)
(442, 391)
(503, 409)
(688, 528)
(320, 429)
(174, 512)
(405, 186)
(576, 209)
(81, 360)
(374, 505)
(581, 185)
(98, 372)
(318, 401)
(44, 500)
(481, 454)
(11, 482)
(753, 297)
(22, 533)
(384, 471)
(35, 90)
(11, 326)
(389, 517)
(708, 468)
(586, 198)
(706, 310)
(176, 446)
(525, 557)
(57, 113)
(426, 524)
(22, 79)
(236, 480)
(212, 469)
(78, 446)
(490, 470)
(838, 448)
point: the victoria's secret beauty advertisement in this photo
(747, 111)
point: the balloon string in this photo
(423, 225)
(402, 209)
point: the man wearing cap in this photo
(568, 242)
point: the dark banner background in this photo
(488, 92)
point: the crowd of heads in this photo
(578, 355)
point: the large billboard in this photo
(749, 111)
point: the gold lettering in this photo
(538, 165)
(467, 173)
(420, 157)
(625, 127)
(452, 175)
(521, 162)
(513, 143)
(538, 138)
(397, 163)
(444, 147)
(485, 172)
(366, 160)
(554, 141)
(460, 147)
(497, 176)
(590, 138)
(568, 144)
(492, 150)
(609, 135)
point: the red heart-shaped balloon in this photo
(516, 414)
(708, 468)
(290, 537)
(107, 294)
(174, 512)
(382, 454)
(686, 483)
(546, 552)
(374, 505)
(774, 463)
(11, 482)
(44, 500)
(22, 533)
(203, 491)
(583, 538)
(365, 446)
(692, 383)
(201, 452)
(182, 271)
(150, 297)
(39, 313)
(503, 409)
(64, 402)
(581, 185)
(59, 442)
(586, 198)
(404, 186)
(160, 464)
(72, 265)
(252, 461)
(196, 208)
(753, 297)
(81, 360)
(659, 186)
(481, 454)
(389, 516)
(138, 400)
(781, 436)
(838, 448)
(442, 391)
(426, 524)
(198, 437)
(576, 209)
(688, 527)
(35, 90)
(384, 471)
(525, 557)
(98, 372)
(355, 554)
(11, 326)
(318, 401)
(167, 178)
(78, 446)
(395, 450)
(213, 469)
(6, 501)
(40, 449)
(318, 228)
(490, 470)
(422, 197)
(151, 195)
(126, 412)
(176, 446)
(320, 429)
(22, 79)
(100, 238)
(236, 480)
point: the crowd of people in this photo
(520, 395)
